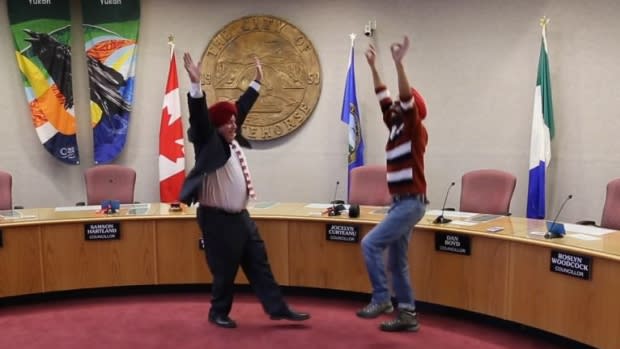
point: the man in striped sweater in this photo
(405, 149)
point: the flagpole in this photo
(544, 21)
(171, 44)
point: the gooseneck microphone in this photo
(441, 219)
(554, 229)
(336, 204)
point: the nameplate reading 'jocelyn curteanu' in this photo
(342, 232)
(571, 264)
(1, 241)
(453, 243)
(102, 231)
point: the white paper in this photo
(321, 206)
(78, 208)
(587, 229)
(464, 223)
(584, 237)
(456, 214)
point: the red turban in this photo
(221, 112)
(419, 103)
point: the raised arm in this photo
(399, 50)
(371, 57)
(192, 69)
(249, 97)
(200, 128)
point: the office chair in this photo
(6, 190)
(487, 191)
(109, 182)
(368, 186)
(611, 209)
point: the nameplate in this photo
(102, 231)
(1, 240)
(453, 243)
(342, 233)
(571, 264)
(201, 244)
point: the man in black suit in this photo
(220, 183)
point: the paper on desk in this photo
(77, 208)
(324, 206)
(264, 204)
(321, 206)
(457, 214)
(584, 237)
(464, 223)
(587, 229)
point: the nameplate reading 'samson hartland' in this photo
(453, 243)
(102, 231)
(291, 82)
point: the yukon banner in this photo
(111, 43)
(42, 35)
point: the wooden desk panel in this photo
(507, 274)
(477, 282)
(587, 311)
(20, 261)
(275, 235)
(180, 261)
(316, 262)
(70, 262)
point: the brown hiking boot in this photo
(406, 320)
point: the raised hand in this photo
(259, 69)
(191, 68)
(399, 49)
(371, 55)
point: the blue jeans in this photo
(393, 233)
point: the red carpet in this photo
(180, 321)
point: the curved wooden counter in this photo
(507, 275)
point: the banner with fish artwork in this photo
(111, 43)
(42, 35)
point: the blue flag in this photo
(351, 117)
(543, 131)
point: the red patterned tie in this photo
(245, 169)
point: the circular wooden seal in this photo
(291, 82)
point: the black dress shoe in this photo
(222, 321)
(289, 314)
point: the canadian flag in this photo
(171, 151)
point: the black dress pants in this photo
(232, 240)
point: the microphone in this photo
(337, 205)
(441, 219)
(556, 230)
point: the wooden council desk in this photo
(506, 275)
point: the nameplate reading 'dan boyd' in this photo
(571, 264)
(453, 243)
(1, 241)
(342, 233)
(102, 231)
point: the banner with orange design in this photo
(111, 43)
(42, 35)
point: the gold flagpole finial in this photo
(171, 39)
(544, 21)
(352, 36)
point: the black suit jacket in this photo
(211, 151)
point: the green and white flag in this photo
(543, 131)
